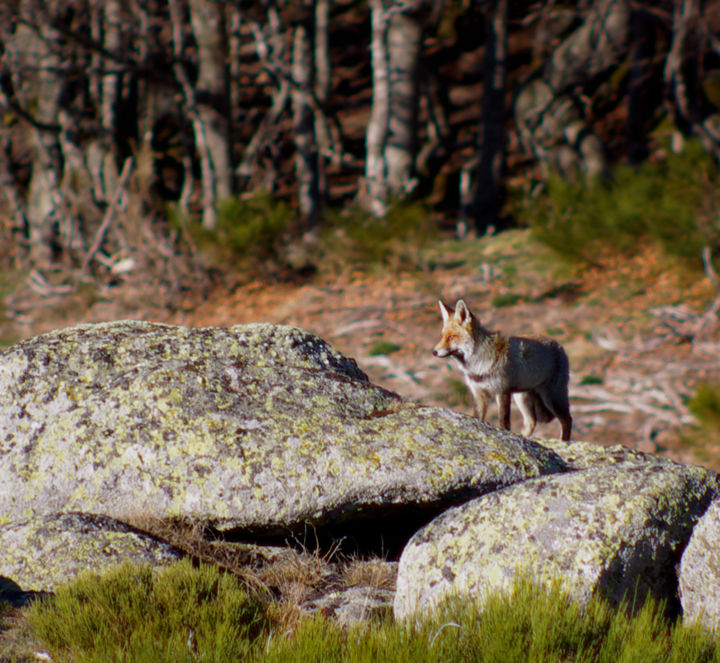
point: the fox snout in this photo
(440, 352)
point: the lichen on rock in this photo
(699, 572)
(612, 529)
(258, 427)
(44, 552)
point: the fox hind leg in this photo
(526, 402)
(557, 403)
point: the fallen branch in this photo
(109, 214)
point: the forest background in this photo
(211, 162)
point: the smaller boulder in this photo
(699, 572)
(47, 551)
(616, 530)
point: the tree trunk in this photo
(397, 32)
(405, 35)
(42, 88)
(207, 102)
(212, 89)
(306, 156)
(323, 80)
(491, 166)
(375, 183)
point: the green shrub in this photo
(185, 614)
(705, 405)
(357, 237)
(247, 228)
(136, 614)
(704, 436)
(383, 348)
(505, 299)
(673, 203)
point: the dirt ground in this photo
(634, 330)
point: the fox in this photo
(534, 371)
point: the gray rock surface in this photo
(353, 605)
(615, 529)
(258, 427)
(699, 572)
(44, 552)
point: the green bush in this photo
(673, 203)
(357, 237)
(705, 405)
(505, 299)
(530, 625)
(137, 614)
(379, 348)
(185, 614)
(247, 228)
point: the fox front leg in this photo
(503, 403)
(480, 401)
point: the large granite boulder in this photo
(616, 529)
(262, 428)
(46, 551)
(699, 573)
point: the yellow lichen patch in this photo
(252, 426)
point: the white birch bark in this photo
(306, 157)
(405, 34)
(375, 185)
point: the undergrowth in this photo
(248, 230)
(189, 614)
(673, 203)
(704, 437)
(395, 241)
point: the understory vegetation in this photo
(672, 202)
(187, 613)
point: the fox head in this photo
(457, 338)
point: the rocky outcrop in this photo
(41, 553)
(613, 529)
(261, 428)
(699, 573)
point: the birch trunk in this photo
(323, 80)
(405, 34)
(41, 90)
(212, 88)
(375, 184)
(306, 157)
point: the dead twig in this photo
(107, 220)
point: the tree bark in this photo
(375, 184)
(306, 155)
(37, 46)
(212, 89)
(323, 80)
(405, 36)
(491, 166)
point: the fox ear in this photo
(462, 312)
(445, 310)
